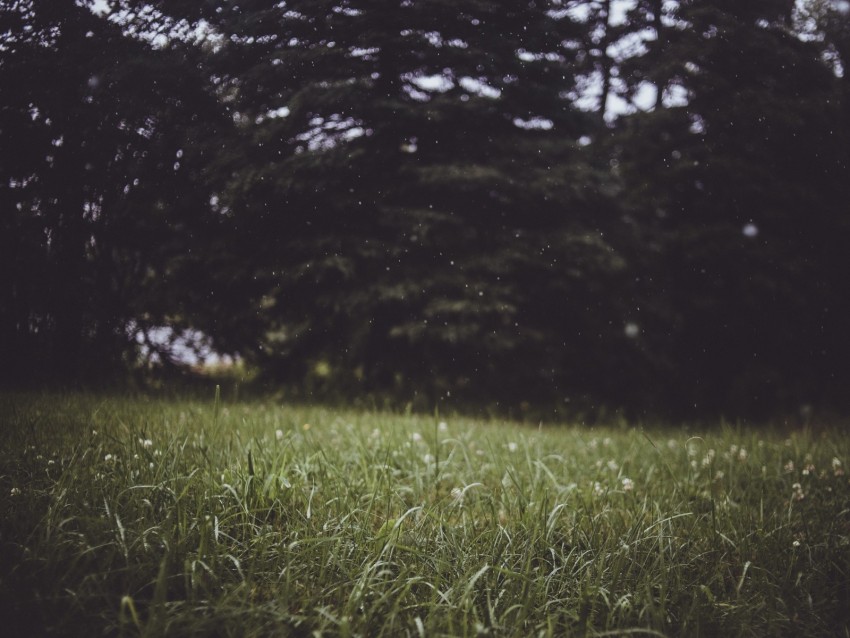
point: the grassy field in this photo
(133, 517)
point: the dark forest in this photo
(641, 205)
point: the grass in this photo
(141, 517)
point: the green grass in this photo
(131, 517)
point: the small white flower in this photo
(612, 465)
(796, 543)
(457, 494)
(742, 455)
(512, 447)
(442, 426)
(109, 458)
(598, 490)
(15, 491)
(94, 432)
(789, 466)
(416, 437)
(147, 444)
(51, 462)
(628, 484)
(150, 465)
(278, 434)
(428, 459)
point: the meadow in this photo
(154, 517)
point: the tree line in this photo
(639, 204)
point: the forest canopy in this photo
(639, 204)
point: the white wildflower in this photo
(15, 491)
(742, 454)
(512, 447)
(442, 426)
(628, 484)
(428, 459)
(278, 434)
(416, 437)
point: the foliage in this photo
(434, 197)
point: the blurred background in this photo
(573, 207)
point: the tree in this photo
(743, 182)
(100, 189)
